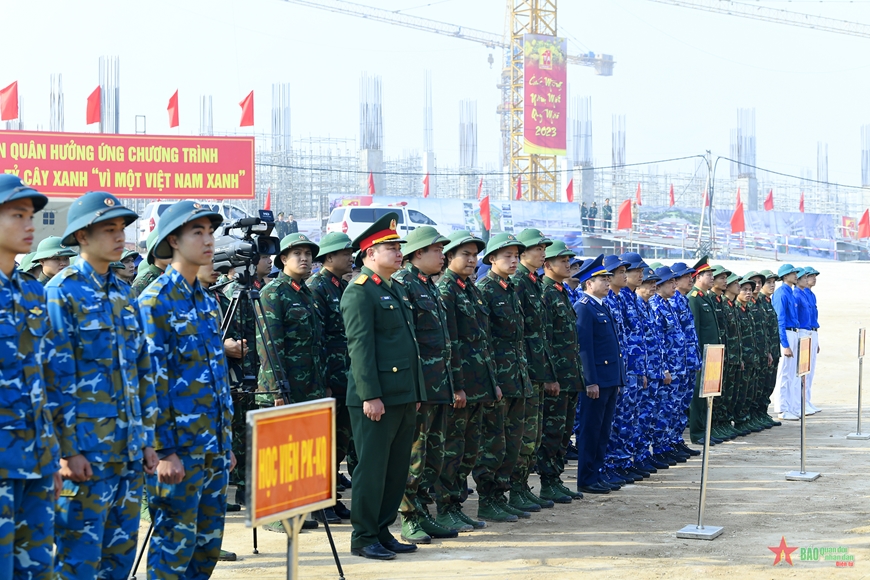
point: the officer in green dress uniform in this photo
(707, 329)
(385, 383)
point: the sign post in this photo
(804, 365)
(862, 336)
(712, 372)
(291, 467)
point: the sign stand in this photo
(804, 358)
(862, 335)
(711, 386)
(293, 526)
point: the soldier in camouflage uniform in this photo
(424, 257)
(327, 287)
(506, 323)
(706, 321)
(28, 266)
(110, 408)
(29, 388)
(536, 329)
(188, 494)
(660, 397)
(751, 338)
(53, 257)
(150, 268)
(763, 362)
(723, 405)
(723, 410)
(767, 284)
(475, 391)
(559, 407)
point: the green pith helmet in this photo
(177, 216)
(533, 237)
(128, 254)
(463, 237)
(768, 275)
(51, 247)
(292, 241)
(420, 238)
(26, 264)
(333, 242)
(92, 208)
(499, 241)
(558, 249)
(719, 270)
(149, 247)
(732, 278)
(747, 280)
(117, 265)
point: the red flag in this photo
(94, 107)
(706, 199)
(737, 223)
(768, 203)
(623, 220)
(371, 183)
(801, 206)
(569, 192)
(739, 202)
(9, 102)
(519, 187)
(637, 194)
(426, 186)
(268, 204)
(247, 106)
(484, 213)
(173, 111)
(479, 188)
(671, 197)
(864, 225)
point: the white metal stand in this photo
(803, 474)
(700, 531)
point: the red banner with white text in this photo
(545, 92)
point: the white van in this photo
(353, 220)
(151, 216)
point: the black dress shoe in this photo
(612, 486)
(375, 552)
(685, 448)
(677, 453)
(595, 488)
(341, 510)
(657, 463)
(233, 507)
(310, 525)
(666, 459)
(609, 478)
(327, 515)
(344, 481)
(678, 457)
(396, 546)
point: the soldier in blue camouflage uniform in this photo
(423, 255)
(684, 282)
(109, 407)
(188, 494)
(475, 391)
(327, 286)
(560, 406)
(509, 356)
(536, 328)
(53, 256)
(29, 389)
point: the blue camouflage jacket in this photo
(653, 340)
(184, 340)
(687, 321)
(634, 347)
(108, 407)
(670, 328)
(29, 387)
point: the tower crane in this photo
(777, 15)
(537, 172)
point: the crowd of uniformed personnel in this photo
(448, 357)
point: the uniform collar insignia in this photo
(460, 283)
(376, 279)
(533, 277)
(423, 278)
(336, 282)
(503, 284)
(295, 285)
(36, 311)
(558, 287)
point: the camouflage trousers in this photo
(97, 529)
(427, 456)
(493, 449)
(746, 392)
(532, 432)
(514, 430)
(766, 383)
(558, 412)
(684, 391)
(642, 430)
(618, 455)
(27, 528)
(188, 518)
(724, 405)
(461, 449)
(667, 415)
(242, 403)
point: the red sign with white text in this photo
(149, 166)
(545, 92)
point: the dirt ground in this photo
(631, 533)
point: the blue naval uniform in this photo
(602, 366)
(675, 401)
(651, 409)
(621, 449)
(691, 360)
(108, 411)
(194, 421)
(29, 391)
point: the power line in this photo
(781, 174)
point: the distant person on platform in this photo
(606, 215)
(281, 226)
(593, 215)
(292, 226)
(584, 216)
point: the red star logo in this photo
(782, 551)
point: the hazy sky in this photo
(679, 79)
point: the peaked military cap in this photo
(333, 242)
(380, 232)
(420, 238)
(51, 247)
(701, 265)
(12, 188)
(499, 241)
(463, 237)
(292, 241)
(174, 218)
(92, 208)
(592, 267)
(558, 249)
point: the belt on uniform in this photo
(792, 329)
(814, 329)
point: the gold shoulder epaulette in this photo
(693, 293)
(361, 279)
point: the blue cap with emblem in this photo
(681, 269)
(649, 275)
(592, 267)
(611, 263)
